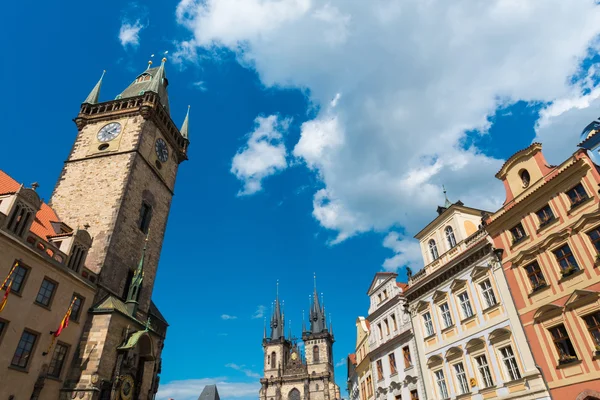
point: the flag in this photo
(5, 298)
(10, 274)
(65, 321)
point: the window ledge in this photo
(487, 389)
(568, 363)
(43, 306)
(468, 319)
(546, 224)
(579, 204)
(464, 395)
(24, 370)
(394, 374)
(490, 308)
(539, 289)
(448, 328)
(517, 242)
(430, 336)
(570, 275)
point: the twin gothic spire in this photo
(317, 320)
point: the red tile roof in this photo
(402, 285)
(41, 226)
(352, 358)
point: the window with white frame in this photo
(484, 371)
(510, 362)
(461, 378)
(441, 383)
(488, 293)
(446, 317)
(428, 324)
(433, 250)
(450, 237)
(465, 305)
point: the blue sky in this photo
(321, 134)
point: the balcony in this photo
(448, 256)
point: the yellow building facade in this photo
(363, 360)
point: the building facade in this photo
(471, 345)
(290, 374)
(549, 229)
(352, 385)
(392, 343)
(98, 249)
(364, 375)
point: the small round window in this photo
(525, 178)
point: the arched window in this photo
(433, 250)
(273, 360)
(525, 178)
(294, 394)
(450, 237)
(316, 354)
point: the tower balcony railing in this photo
(145, 103)
(448, 256)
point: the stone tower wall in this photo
(324, 348)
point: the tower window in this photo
(273, 360)
(316, 354)
(450, 237)
(525, 178)
(145, 217)
(433, 250)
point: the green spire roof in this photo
(151, 80)
(136, 283)
(184, 127)
(92, 98)
(448, 203)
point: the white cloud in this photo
(129, 34)
(260, 312)
(242, 368)
(341, 362)
(407, 252)
(263, 155)
(190, 389)
(415, 76)
(200, 85)
(228, 317)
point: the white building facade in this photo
(394, 363)
(472, 344)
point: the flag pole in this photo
(10, 274)
(63, 324)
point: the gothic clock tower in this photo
(118, 181)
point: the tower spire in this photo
(277, 319)
(92, 98)
(448, 203)
(317, 317)
(185, 127)
(136, 283)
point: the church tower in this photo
(290, 373)
(276, 346)
(118, 181)
(120, 177)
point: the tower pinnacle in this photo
(277, 320)
(185, 127)
(92, 98)
(136, 283)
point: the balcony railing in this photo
(460, 248)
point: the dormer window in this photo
(77, 259)
(143, 78)
(450, 236)
(433, 250)
(518, 233)
(21, 219)
(525, 178)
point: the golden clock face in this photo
(294, 356)
(127, 386)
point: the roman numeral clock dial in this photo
(109, 132)
(162, 151)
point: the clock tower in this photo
(118, 182)
(119, 179)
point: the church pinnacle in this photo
(317, 312)
(277, 320)
(92, 98)
(185, 127)
(136, 283)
